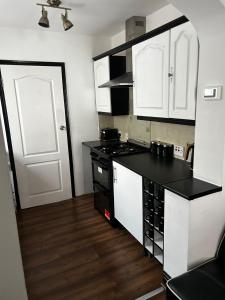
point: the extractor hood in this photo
(125, 80)
(135, 26)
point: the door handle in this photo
(62, 127)
(114, 175)
(171, 74)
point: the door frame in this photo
(6, 120)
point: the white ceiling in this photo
(95, 17)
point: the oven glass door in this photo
(102, 174)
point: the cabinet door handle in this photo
(114, 175)
(171, 75)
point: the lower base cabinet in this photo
(179, 233)
(192, 231)
(128, 200)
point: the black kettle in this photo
(190, 154)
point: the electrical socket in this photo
(179, 151)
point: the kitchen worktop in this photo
(192, 188)
(174, 174)
(92, 144)
(157, 169)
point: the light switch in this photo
(212, 93)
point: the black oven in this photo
(103, 187)
(102, 170)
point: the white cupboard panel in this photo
(150, 71)
(102, 75)
(183, 67)
(176, 234)
(128, 200)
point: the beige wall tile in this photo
(105, 121)
(146, 131)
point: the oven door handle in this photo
(101, 188)
(101, 165)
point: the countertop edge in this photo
(165, 185)
(196, 196)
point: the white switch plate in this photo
(179, 151)
(212, 93)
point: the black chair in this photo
(205, 282)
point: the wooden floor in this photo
(70, 252)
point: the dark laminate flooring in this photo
(70, 252)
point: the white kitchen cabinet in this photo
(165, 71)
(128, 200)
(150, 73)
(183, 70)
(102, 75)
(192, 231)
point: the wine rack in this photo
(153, 218)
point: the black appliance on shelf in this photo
(109, 134)
(103, 173)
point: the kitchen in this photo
(171, 209)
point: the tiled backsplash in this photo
(146, 131)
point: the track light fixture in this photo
(44, 22)
(66, 23)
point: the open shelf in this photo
(158, 254)
(158, 239)
(153, 226)
(149, 245)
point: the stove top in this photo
(120, 148)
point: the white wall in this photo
(12, 284)
(77, 52)
(154, 20)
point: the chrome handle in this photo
(62, 127)
(114, 175)
(171, 75)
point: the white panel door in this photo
(128, 200)
(102, 75)
(35, 105)
(150, 71)
(183, 68)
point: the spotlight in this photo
(66, 23)
(44, 22)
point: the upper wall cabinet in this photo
(183, 72)
(165, 74)
(102, 75)
(113, 101)
(150, 73)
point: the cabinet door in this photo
(102, 75)
(128, 200)
(183, 68)
(150, 70)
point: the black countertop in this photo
(92, 144)
(175, 174)
(157, 169)
(192, 188)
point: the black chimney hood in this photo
(125, 80)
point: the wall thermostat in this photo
(212, 93)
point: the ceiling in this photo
(95, 17)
